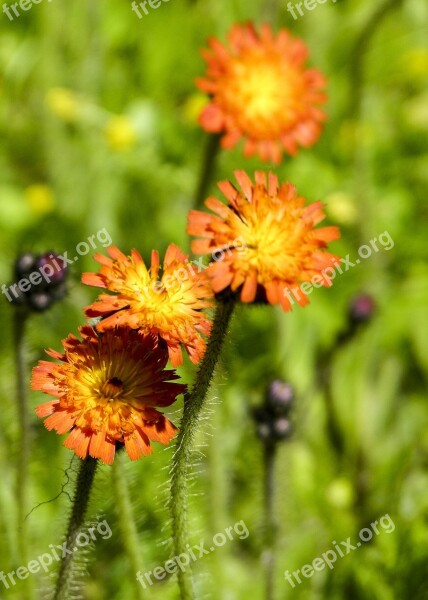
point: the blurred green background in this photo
(98, 129)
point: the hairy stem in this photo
(127, 522)
(19, 328)
(82, 494)
(211, 151)
(193, 405)
(269, 521)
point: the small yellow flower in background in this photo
(40, 198)
(63, 103)
(415, 62)
(120, 133)
(341, 208)
(415, 112)
(193, 107)
(340, 493)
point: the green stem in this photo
(85, 479)
(19, 328)
(359, 52)
(269, 489)
(333, 428)
(193, 405)
(211, 151)
(127, 522)
(357, 63)
(270, 11)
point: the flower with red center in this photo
(105, 389)
(169, 307)
(261, 91)
(267, 239)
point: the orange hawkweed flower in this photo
(278, 248)
(169, 307)
(105, 388)
(261, 91)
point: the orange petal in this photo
(249, 288)
(62, 421)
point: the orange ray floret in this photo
(105, 390)
(260, 90)
(267, 239)
(169, 305)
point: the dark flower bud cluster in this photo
(361, 309)
(40, 281)
(272, 418)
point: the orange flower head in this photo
(261, 91)
(105, 389)
(169, 307)
(266, 239)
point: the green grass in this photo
(369, 168)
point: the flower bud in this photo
(281, 428)
(40, 301)
(361, 309)
(280, 396)
(264, 431)
(47, 287)
(25, 264)
(50, 264)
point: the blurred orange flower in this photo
(261, 91)
(169, 307)
(279, 245)
(105, 389)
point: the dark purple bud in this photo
(280, 396)
(51, 267)
(25, 264)
(361, 309)
(264, 431)
(40, 301)
(281, 428)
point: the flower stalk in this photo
(127, 524)
(212, 149)
(20, 319)
(269, 453)
(194, 403)
(82, 494)
(273, 427)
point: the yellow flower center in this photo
(277, 241)
(160, 303)
(108, 394)
(262, 92)
(112, 388)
